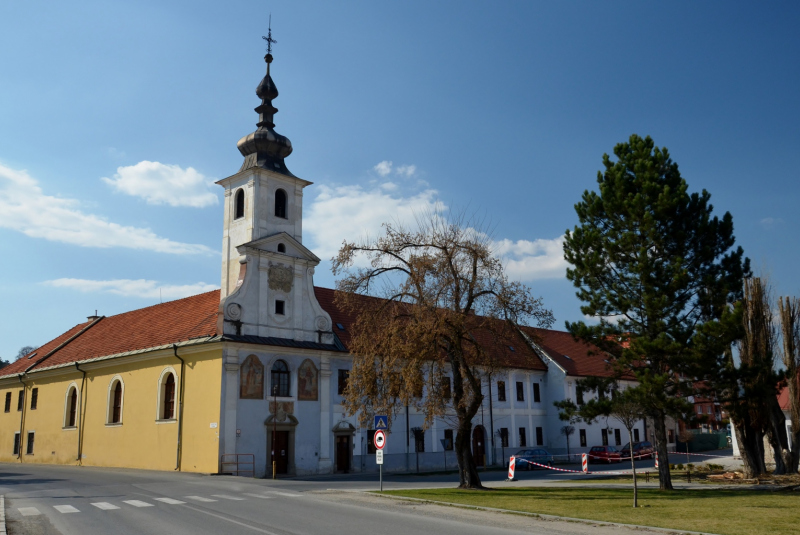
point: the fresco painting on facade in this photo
(307, 382)
(252, 378)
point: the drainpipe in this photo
(491, 423)
(80, 415)
(21, 418)
(179, 452)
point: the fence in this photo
(238, 464)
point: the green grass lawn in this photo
(727, 512)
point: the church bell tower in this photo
(267, 274)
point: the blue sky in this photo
(116, 117)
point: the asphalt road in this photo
(67, 500)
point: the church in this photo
(251, 376)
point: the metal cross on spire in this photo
(268, 38)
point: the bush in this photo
(672, 466)
(689, 466)
(712, 466)
(679, 466)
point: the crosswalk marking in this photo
(105, 506)
(289, 494)
(169, 501)
(257, 496)
(65, 509)
(227, 497)
(200, 499)
(28, 511)
(137, 503)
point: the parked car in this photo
(536, 455)
(641, 450)
(604, 454)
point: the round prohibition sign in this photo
(379, 440)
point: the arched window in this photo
(166, 395)
(280, 379)
(281, 248)
(169, 397)
(115, 390)
(280, 204)
(71, 409)
(238, 211)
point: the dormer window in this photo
(280, 204)
(238, 210)
(281, 248)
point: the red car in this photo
(604, 454)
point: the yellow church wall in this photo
(141, 440)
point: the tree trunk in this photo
(751, 448)
(468, 477)
(633, 468)
(778, 438)
(660, 431)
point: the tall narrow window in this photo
(344, 375)
(371, 442)
(20, 399)
(579, 395)
(536, 394)
(280, 204)
(169, 397)
(8, 402)
(116, 408)
(238, 210)
(522, 441)
(504, 437)
(446, 390)
(604, 436)
(448, 440)
(31, 436)
(636, 435)
(501, 391)
(16, 443)
(72, 416)
(583, 438)
(34, 398)
(539, 436)
(617, 437)
(520, 391)
(280, 379)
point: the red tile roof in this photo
(196, 317)
(576, 357)
(158, 325)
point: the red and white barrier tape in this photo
(573, 471)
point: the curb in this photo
(552, 517)
(2, 515)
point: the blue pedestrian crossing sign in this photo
(381, 422)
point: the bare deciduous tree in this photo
(789, 311)
(446, 307)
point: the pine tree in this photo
(652, 263)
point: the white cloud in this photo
(147, 289)
(389, 186)
(383, 168)
(527, 260)
(386, 167)
(351, 212)
(25, 208)
(159, 183)
(406, 170)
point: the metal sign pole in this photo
(381, 470)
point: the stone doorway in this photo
(280, 453)
(343, 433)
(284, 437)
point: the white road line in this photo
(28, 511)
(105, 506)
(200, 499)
(226, 497)
(169, 501)
(65, 509)
(257, 496)
(289, 494)
(137, 503)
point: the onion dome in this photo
(266, 148)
